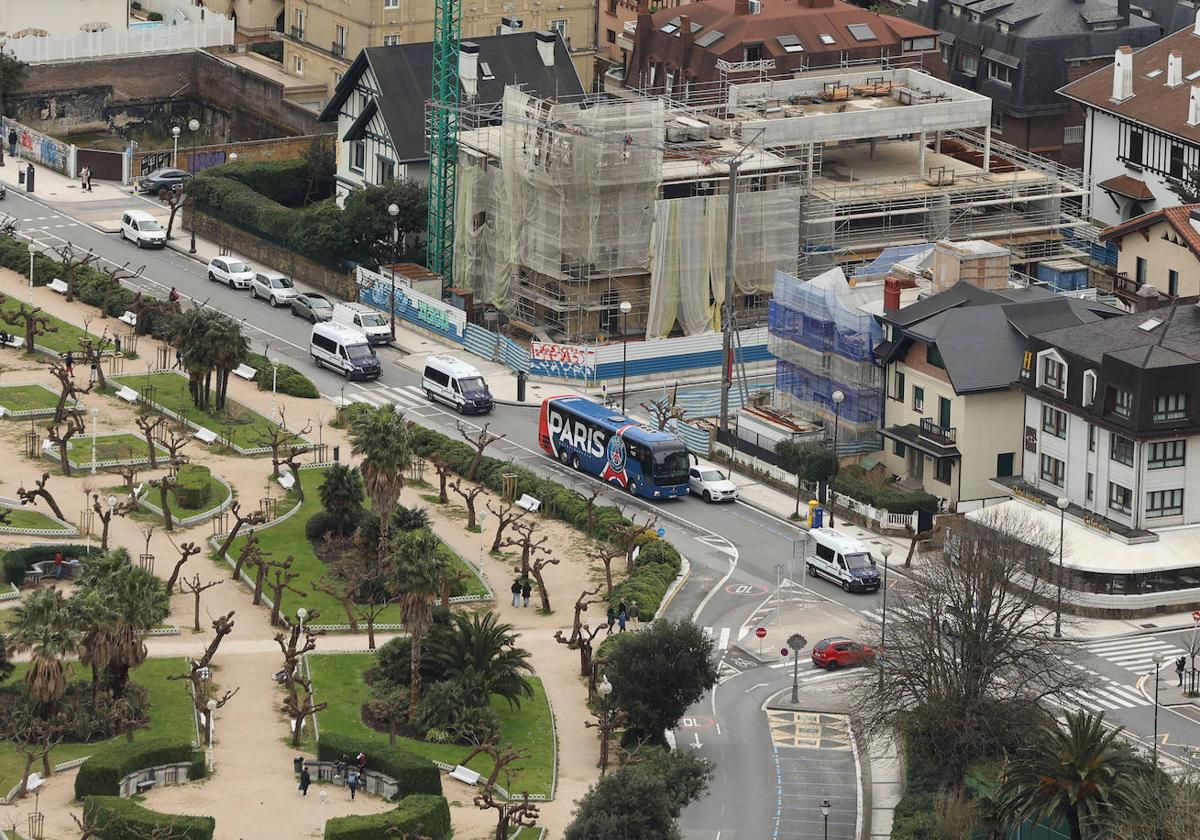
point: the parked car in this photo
(273, 287)
(232, 272)
(142, 229)
(711, 484)
(313, 307)
(840, 652)
(163, 179)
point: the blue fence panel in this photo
(480, 341)
(698, 440)
(686, 361)
(513, 354)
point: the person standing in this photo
(621, 620)
(1180, 664)
(516, 592)
(88, 183)
(12, 142)
(633, 615)
(612, 619)
(83, 178)
(58, 565)
(69, 363)
(352, 780)
(526, 591)
(361, 761)
(305, 781)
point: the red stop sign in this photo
(761, 632)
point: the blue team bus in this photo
(604, 442)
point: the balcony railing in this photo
(298, 33)
(1127, 287)
(338, 49)
(940, 435)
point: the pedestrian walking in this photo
(361, 760)
(340, 769)
(612, 619)
(352, 780)
(94, 373)
(58, 565)
(87, 185)
(622, 609)
(305, 781)
(633, 615)
(516, 592)
(179, 359)
(12, 142)
(526, 591)
(69, 363)
(1180, 664)
(621, 620)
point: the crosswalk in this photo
(721, 634)
(406, 396)
(1136, 654)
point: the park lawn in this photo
(170, 716)
(25, 518)
(338, 681)
(27, 397)
(170, 390)
(217, 494)
(111, 448)
(67, 336)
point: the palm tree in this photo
(380, 436)
(480, 650)
(93, 613)
(416, 568)
(1079, 773)
(43, 627)
(229, 347)
(342, 495)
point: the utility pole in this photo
(727, 308)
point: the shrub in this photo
(194, 486)
(123, 819)
(413, 774)
(101, 774)
(853, 482)
(14, 569)
(656, 550)
(270, 49)
(442, 707)
(429, 813)
(87, 720)
(26, 557)
(287, 380)
(410, 518)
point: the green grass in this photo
(27, 397)
(170, 715)
(217, 494)
(66, 338)
(25, 518)
(171, 391)
(337, 680)
(110, 448)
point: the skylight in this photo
(486, 70)
(827, 39)
(790, 43)
(1148, 326)
(1191, 77)
(670, 26)
(709, 38)
(1154, 74)
(861, 32)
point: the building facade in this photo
(1159, 249)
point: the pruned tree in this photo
(105, 514)
(589, 498)
(607, 554)
(365, 582)
(99, 824)
(627, 534)
(73, 259)
(186, 551)
(147, 529)
(196, 589)
(91, 353)
(335, 589)
(510, 813)
(31, 319)
(68, 391)
(33, 736)
(259, 562)
(285, 445)
(582, 636)
(481, 440)
(663, 410)
(444, 472)
(178, 435)
(298, 701)
(529, 544)
(247, 556)
(536, 567)
(450, 577)
(128, 718)
(280, 582)
(60, 434)
(127, 471)
(149, 424)
(165, 485)
(251, 519)
(174, 199)
(199, 675)
(389, 706)
(506, 514)
(469, 495)
(30, 497)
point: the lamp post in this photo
(32, 251)
(886, 551)
(95, 417)
(1158, 660)
(211, 705)
(796, 642)
(604, 690)
(275, 394)
(3, 133)
(324, 797)
(1063, 503)
(826, 807)
(837, 397)
(193, 126)
(394, 212)
(302, 614)
(625, 307)
(175, 132)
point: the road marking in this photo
(723, 642)
(697, 744)
(751, 688)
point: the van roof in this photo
(339, 332)
(455, 366)
(839, 541)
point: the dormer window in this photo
(1052, 373)
(1170, 407)
(1089, 387)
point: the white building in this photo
(20, 18)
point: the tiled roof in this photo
(1179, 218)
(1128, 186)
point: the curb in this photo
(685, 572)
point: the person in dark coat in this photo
(352, 780)
(516, 592)
(612, 618)
(526, 591)
(12, 142)
(1180, 664)
(305, 781)
(361, 761)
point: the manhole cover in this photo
(1148, 626)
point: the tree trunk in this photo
(153, 450)
(53, 505)
(29, 335)
(1073, 823)
(259, 573)
(105, 520)
(442, 497)
(60, 410)
(296, 732)
(414, 678)
(471, 526)
(24, 789)
(163, 493)
(196, 619)
(62, 454)
(296, 478)
(537, 575)
(370, 629)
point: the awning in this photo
(948, 38)
(1128, 187)
(1001, 58)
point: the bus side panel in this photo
(544, 428)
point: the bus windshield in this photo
(670, 464)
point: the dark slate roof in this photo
(1044, 36)
(405, 74)
(960, 294)
(1175, 342)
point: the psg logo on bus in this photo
(614, 469)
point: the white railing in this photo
(216, 31)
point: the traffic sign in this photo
(1196, 616)
(797, 641)
(662, 532)
(784, 652)
(761, 632)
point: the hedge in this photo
(14, 570)
(282, 181)
(115, 818)
(413, 774)
(101, 774)
(853, 482)
(658, 561)
(288, 380)
(431, 814)
(23, 558)
(193, 486)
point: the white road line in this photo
(723, 643)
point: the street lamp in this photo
(175, 132)
(1063, 503)
(625, 307)
(837, 397)
(302, 614)
(95, 417)
(394, 212)
(826, 807)
(1158, 661)
(193, 126)
(3, 133)
(211, 705)
(886, 551)
(32, 252)
(604, 690)
(796, 642)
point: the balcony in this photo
(298, 33)
(338, 49)
(940, 435)
(1126, 288)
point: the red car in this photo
(839, 652)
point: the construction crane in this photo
(443, 137)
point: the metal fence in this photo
(216, 30)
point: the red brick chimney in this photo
(741, 7)
(685, 35)
(891, 294)
(641, 46)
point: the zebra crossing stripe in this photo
(723, 642)
(1126, 644)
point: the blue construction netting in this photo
(812, 315)
(881, 265)
(860, 406)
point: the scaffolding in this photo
(823, 344)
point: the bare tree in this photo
(443, 471)
(68, 391)
(147, 529)
(481, 440)
(196, 589)
(469, 495)
(364, 580)
(179, 435)
(450, 577)
(607, 554)
(175, 199)
(506, 514)
(248, 556)
(251, 519)
(186, 551)
(128, 719)
(626, 535)
(149, 424)
(60, 435)
(510, 813)
(199, 674)
(128, 472)
(663, 410)
(106, 514)
(91, 353)
(536, 567)
(33, 737)
(589, 499)
(165, 485)
(335, 589)
(286, 445)
(581, 637)
(280, 582)
(31, 319)
(30, 497)
(529, 545)
(72, 260)
(298, 701)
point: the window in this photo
(1005, 463)
(485, 71)
(391, 4)
(339, 36)
(610, 36)
(298, 65)
(1134, 152)
(1091, 487)
(1072, 135)
(934, 356)
(1175, 163)
(1089, 387)
(944, 412)
(790, 44)
(387, 169)
(1091, 438)
(1119, 498)
(1164, 503)
(1173, 282)
(337, 78)
(298, 26)
(899, 448)
(918, 398)
(1052, 373)
(862, 32)
(827, 40)
(1121, 450)
(1170, 407)
(1054, 421)
(898, 393)
(612, 7)
(1166, 453)
(391, 40)
(752, 52)
(1122, 403)
(1140, 271)
(1000, 72)
(968, 64)
(941, 470)
(1052, 470)
(358, 155)
(559, 25)
(998, 121)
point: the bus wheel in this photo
(575, 462)
(563, 456)
(631, 487)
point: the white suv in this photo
(273, 287)
(712, 484)
(230, 271)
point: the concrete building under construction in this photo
(566, 209)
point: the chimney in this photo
(1174, 69)
(685, 35)
(545, 47)
(1196, 25)
(1122, 86)
(1123, 11)
(468, 68)
(1194, 107)
(1147, 299)
(742, 7)
(509, 25)
(891, 294)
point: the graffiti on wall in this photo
(155, 160)
(203, 160)
(564, 360)
(45, 150)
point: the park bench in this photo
(465, 774)
(286, 480)
(127, 394)
(57, 285)
(205, 436)
(529, 503)
(14, 341)
(145, 784)
(245, 372)
(34, 781)
(129, 318)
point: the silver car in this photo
(273, 287)
(312, 307)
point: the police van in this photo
(343, 349)
(456, 383)
(842, 560)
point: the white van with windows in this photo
(457, 384)
(366, 319)
(843, 560)
(345, 350)
(142, 229)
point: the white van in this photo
(843, 560)
(457, 384)
(366, 319)
(345, 350)
(142, 229)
